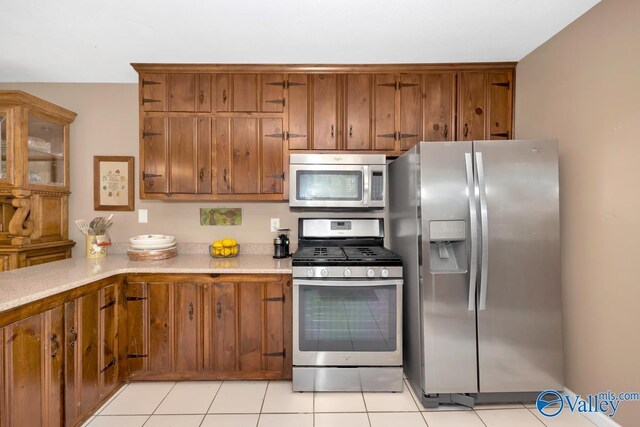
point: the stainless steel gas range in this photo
(347, 307)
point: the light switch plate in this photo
(275, 225)
(142, 216)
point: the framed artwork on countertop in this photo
(113, 182)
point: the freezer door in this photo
(448, 321)
(520, 301)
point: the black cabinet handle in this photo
(446, 131)
(190, 311)
(201, 174)
(110, 364)
(55, 345)
(74, 337)
(350, 131)
(332, 131)
(224, 96)
(466, 129)
(201, 97)
(219, 311)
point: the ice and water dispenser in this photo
(447, 246)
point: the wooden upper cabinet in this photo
(398, 111)
(358, 91)
(500, 105)
(385, 112)
(237, 92)
(439, 114)
(154, 155)
(189, 92)
(325, 112)
(298, 111)
(472, 99)
(249, 156)
(486, 105)
(153, 87)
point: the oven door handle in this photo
(347, 283)
(367, 188)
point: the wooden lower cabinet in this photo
(12, 257)
(91, 369)
(62, 357)
(229, 326)
(32, 363)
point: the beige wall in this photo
(583, 87)
(107, 124)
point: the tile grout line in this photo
(266, 390)
(213, 400)
(165, 396)
(364, 401)
(110, 401)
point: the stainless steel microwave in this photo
(337, 181)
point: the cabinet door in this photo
(325, 112)
(385, 112)
(108, 354)
(154, 146)
(500, 108)
(160, 327)
(273, 327)
(153, 87)
(298, 109)
(183, 155)
(237, 92)
(358, 109)
(272, 93)
(33, 369)
(188, 327)
(136, 343)
(271, 162)
(439, 106)
(189, 92)
(250, 325)
(237, 156)
(223, 352)
(410, 131)
(72, 400)
(89, 367)
(472, 106)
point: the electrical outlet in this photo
(142, 216)
(275, 224)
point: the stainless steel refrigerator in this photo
(477, 226)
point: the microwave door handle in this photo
(365, 185)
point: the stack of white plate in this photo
(152, 242)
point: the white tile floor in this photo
(273, 404)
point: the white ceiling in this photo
(94, 41)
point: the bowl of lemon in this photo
(224, 248)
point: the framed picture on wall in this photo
(113, 181)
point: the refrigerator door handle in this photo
(484, 223)
(473, 215)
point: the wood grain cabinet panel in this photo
(298, 111)
(500, 105)
(237, 92)
(439, 114)
(271, 159)
(189, 92)
(108, 336)
(325, 112)
(358, 111)
(472, 96)
(154, 155)
(33, 370)
(410, 129)
(223, 328)
(485, 105)
(153, 91)
(272, 93)
(385, 112)
(188, 321)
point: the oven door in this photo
(347, 322)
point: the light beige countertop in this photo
(25, 285)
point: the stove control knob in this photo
(370, 272)
(384, 272)
(309, 272)
(324, 272)
(347, 272)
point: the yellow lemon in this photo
(227, 243)
(226, 252)
(217, 244)
(234, 250)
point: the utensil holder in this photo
(97, 245)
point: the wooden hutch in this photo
(34, 181)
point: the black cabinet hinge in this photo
(275, 101)
(150, 82)
(126, 298)
(501, 134)
(149, 100)
(502, 84)
(146, 134)
(282, 354)
(110, 364)
(109, 304)
(273, 299)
